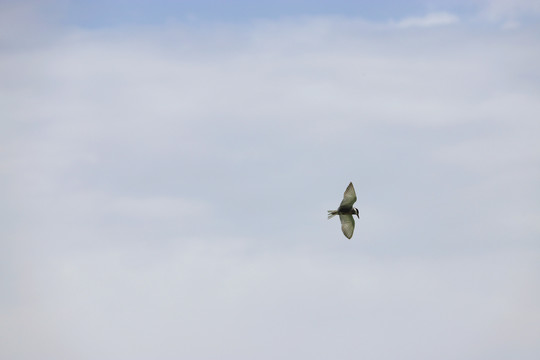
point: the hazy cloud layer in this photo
(433, 19)
(164, 191)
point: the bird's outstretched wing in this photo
(347, 225)
(349, 197)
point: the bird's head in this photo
(357, 212)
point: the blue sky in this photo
(98, 13)
(114, 13)
(166, 171)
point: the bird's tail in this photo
(332, 213)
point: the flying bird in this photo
(346, 211)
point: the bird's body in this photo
(346, 211)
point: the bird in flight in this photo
(346, 211)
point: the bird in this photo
(346, 211)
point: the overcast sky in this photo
(166, 167)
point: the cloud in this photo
(504, 8)
(166, 187)
(429, 20)
(177, 302)
(510, 13)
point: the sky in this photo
(166, 167)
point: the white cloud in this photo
(138, 302)
(511, 24)
(511, 14)
(429, 20)
(511, 8)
